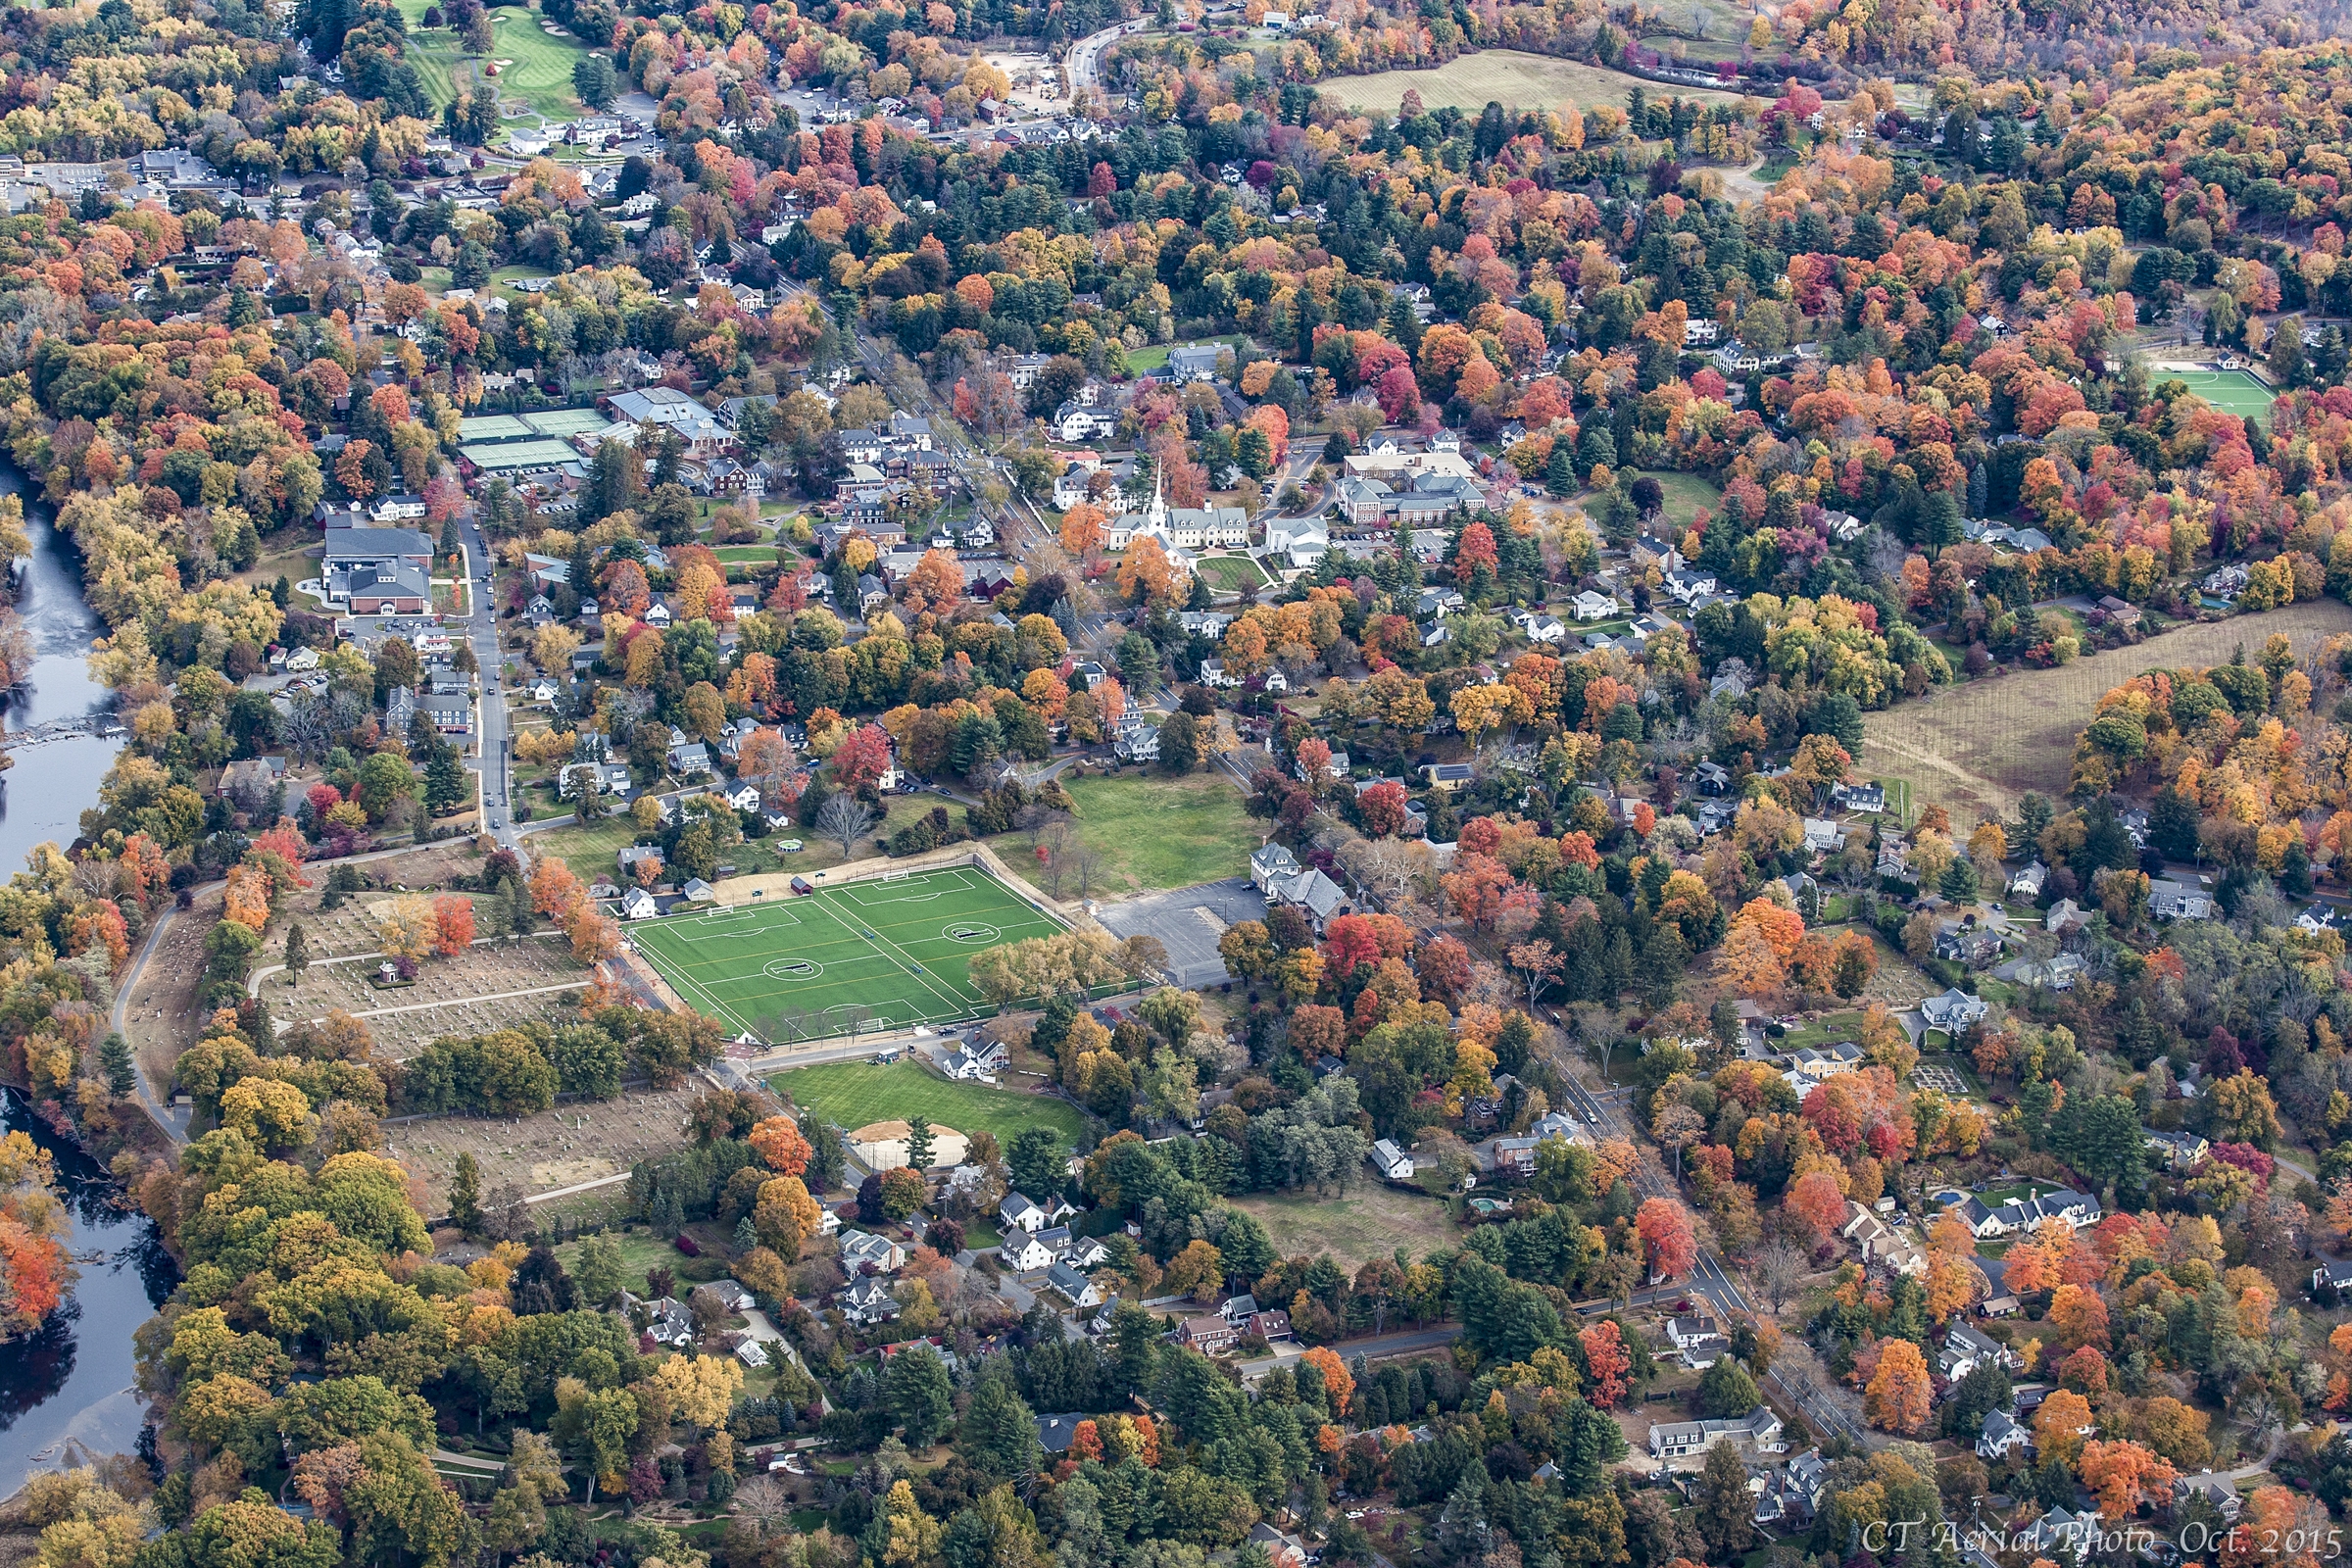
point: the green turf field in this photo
(2230, 391)
(862, 953)
(538, 64)
(857, 1094)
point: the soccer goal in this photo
(895, 873)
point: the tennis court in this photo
(2230, 391)
(859, 955)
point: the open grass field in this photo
(1974, 748)
(1153, 355)
(1685, 495)
(854, 1093)
(1371, 1221)
(540, 73)
(1156, 832)
(872, 953)
(1510, 77)
(1233, 575)
(2230, 391)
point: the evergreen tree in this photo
(298, 952)
(1959, 881)
(919, 1395)
(466, 1197)
(1000, 1434)
(747, 1235)
(114, 1059)
(918, 1143)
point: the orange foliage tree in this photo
(1335, 1379)
(778, 1142)
(1896, 1397)
(35, 1271)
(1606, 1355)
(1666, 1240)
(2121, 1475)
(452, 924)
(2061, 1425)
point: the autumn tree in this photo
(1895, 1399)
(1667, 1243)
(2061, 1425)
(452, 924)
(1606, 1356)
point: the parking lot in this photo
(1188, 922)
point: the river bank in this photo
(53, 782)
(68, 1393)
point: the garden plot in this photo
(576, 1143)
(490, 986)
(1943, 1080)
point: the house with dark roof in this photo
(2003, 1435)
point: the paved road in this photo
(1086, 56)
(490, 763)
(173, 1119)
(1709, 1278)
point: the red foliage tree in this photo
(452, 924)
(1380, 810)
(1607, 1358)
(1667, 1243)
(861, 758)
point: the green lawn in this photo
(858, 954)
(1156, 832)
(1154, 356)
(589, 849)
(853, 1094)
(2230, 391)
(539, 73)
(1827, 1030)
(1685, 494)
(640, 1252)
(1233, 575)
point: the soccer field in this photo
(862, 955)
(2230, 391)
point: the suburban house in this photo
(2219, 1490)
(2003, 1435)
(1394, 1163)
(1024, 1253)
(2060, 1526)
(868, 1301)
(859, 1248)
(2177, 901)
(1018, 1213)
(1953, 1011)
(1966, 1349)
(1284, 1551)
(1759, 1428)
(1208, 1334)
(2078, 1209)
(1699, 1341)
(2181, 1151)
(977, 1059)
(1075, 1286)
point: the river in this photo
(66, 1393)
(43, 796)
